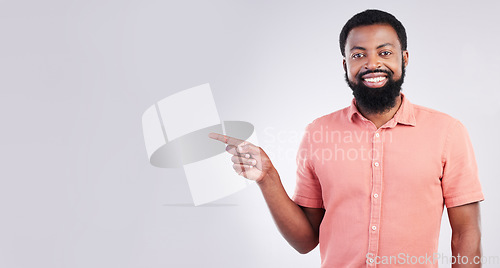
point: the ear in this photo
(406, 57)
(344, 64)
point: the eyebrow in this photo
(362, 48)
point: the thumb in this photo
(246, 147)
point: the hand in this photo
(249, 161)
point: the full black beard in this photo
(376, 100)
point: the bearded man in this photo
(375, 200)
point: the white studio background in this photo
(76, 187)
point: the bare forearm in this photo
(288, 216)
(252, 162)
(466, 247)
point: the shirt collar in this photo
(405, 114)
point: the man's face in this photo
(374, 66)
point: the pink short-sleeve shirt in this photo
(384, 189)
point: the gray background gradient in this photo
(76, 187)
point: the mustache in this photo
(389, 73)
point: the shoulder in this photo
(428, 116)
(337, 117)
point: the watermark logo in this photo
(176, 136)
(325, 144)
(435, 258)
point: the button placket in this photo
(376, 204)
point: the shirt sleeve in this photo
(308, 188)
(460, 181)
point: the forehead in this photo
(372, 36)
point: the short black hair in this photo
(371, 17)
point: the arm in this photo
(466, 234)
(298, 225)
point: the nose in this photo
(372, 62)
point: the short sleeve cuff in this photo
(464, 199)
(307, 202)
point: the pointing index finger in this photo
(225, 139)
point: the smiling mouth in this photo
(375, 82)
(375, 79)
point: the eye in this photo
(385, 53)
(357, 55)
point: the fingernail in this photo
(247, 155)
(254, 162)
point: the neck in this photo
(379, 119)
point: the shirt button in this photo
(376, 164)
(377, 135)
(375, 195)
(374, 227)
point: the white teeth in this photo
(375, 79)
